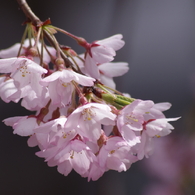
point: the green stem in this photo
(37, 22)
(23, 38)
(67, 33)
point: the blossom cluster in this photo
(81, 121)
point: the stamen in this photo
(112, 151)
(130, 117)
(88, 114)
(72, 155)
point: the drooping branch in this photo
(37, 22)
(29, 13)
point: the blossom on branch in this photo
(60, 86)
(81, 121)
(25, 51)
(100, 52)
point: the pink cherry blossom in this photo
(13, 51)
(31, 100)
(143, 116)
(131, 119)
(22, 126)
(23, 82)
(7, 89)
(102, 51)
(76, 155)
(145, 147)
(111, 69)
(64, 153)
(60, 86)
(50, 132)
(157, 110)
(106, 71)
(87, 120)
(155, 125)
(159, 127)
(95, 171)
(75, 126)
(24, 72)
(116, 154)
(155, 122)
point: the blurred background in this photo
(160, 50)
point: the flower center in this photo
(131, 118)
(88, 114)
(65, 84)
(24, 69)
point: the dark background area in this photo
(160, 50)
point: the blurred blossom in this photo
(172, 165)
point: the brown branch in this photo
(29, 13)
(37, 22)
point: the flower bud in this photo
(81, 41)
(32, 51)
(59, 61)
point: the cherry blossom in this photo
(23, 70)
(50, 131)
(76, 155)
(22, 126)
(131, 118)
(59, 149)
(116, 154)
(156, 124)
(81, 121)
(111, 69)
(90, 115)
(60, 86)
(7, 89)
(13, 51)
(145, 147)
(102, 51)
(106, 71)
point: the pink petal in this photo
(114, 42)
(7, 89)
(114, 69)
(102, 54)
(54, 76)
(162, 106)
(115, 164)
(25, 127)
(32, 141)
(6, 65)
(12, 120)
(84, 80)
(34, 67)
(80, 162)
(91, 67)
(10, 52)
(129, 136)
(107, 81)
(65, 168)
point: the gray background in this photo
(160, 50)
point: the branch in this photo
(29, 13)
(37, 22)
